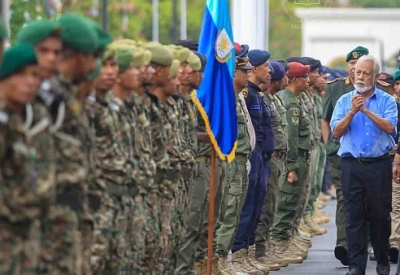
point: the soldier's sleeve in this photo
(293, 119)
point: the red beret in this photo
(298, 69)
(238, 49)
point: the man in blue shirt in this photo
(365, 121)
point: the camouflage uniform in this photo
(27, 174)
(62, 251)
(114, 173)
(142, 221)
(168, 189)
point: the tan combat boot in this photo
(281, 251)
(321, 217)
(316, 229)
(251, 259)
(324, 197)
(304, 229)
(201, 267)
(318, 204)
(240, 263)
(223, 267)
(303, 240)
(297, 250)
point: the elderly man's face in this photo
(365, 76)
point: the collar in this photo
(254, 87)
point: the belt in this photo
(372, 160)
(279, 154)
(303, 153)
(243, 158)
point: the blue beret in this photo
(271, 68)
(279, 70)
(258, 57)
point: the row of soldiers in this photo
(97, 153)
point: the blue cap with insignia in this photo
(258, 57)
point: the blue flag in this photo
(216, 96)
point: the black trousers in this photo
(367, 191)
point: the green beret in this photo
(124, 58)
(396, 75)
(109, 53)
(96, 71)
(174, 68)
(37, 31)
(284, 63)
(16, 58)
(104, 38)
(180, 53)
(3, 29)
(77, 33)
(356, 53)
(194, 62)
(160, 54)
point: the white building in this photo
(329, 34)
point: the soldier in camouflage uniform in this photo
(279, 123)
(62, 252)
(293, 180)
(168, 170)
(27, 167)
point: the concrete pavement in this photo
(321, 260)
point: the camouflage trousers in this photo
(62, 252)
(168, 183)
(137, 230)
(19, 247)
(395, 236)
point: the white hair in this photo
(372, 59)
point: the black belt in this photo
(372, 160)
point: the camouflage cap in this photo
(161, 54)
(77, 33)
(37, 31)
(3, 29)
(16, 58)
(174, 68)
(194, 62)
(356, 53)
(124, 58)
(104, 38)
(180, 53)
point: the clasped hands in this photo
(357, 104)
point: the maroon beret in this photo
(298, 69)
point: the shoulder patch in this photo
(332, 81)
(245, 92)
(255, 107)
(384, 84)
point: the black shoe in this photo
(372, 257)
(341, 255)
(354, 272)
(382, 269)
(393, 254)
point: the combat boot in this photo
(251, 259)
(297, 251)
(304, 229)
(321, 217)
(318, 204)
(201, 267)
(324, 197)
(303, 240)
(316, 229)
(223, 267)
(240, 264)
(280, 250)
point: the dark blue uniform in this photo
(260, 168)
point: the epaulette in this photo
(332, 81)
(384, 84)
(245, 92)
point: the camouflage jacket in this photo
(27, 166)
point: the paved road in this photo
(321, 260)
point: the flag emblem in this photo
(223, 46)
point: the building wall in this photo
(329, 33)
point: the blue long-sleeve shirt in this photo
(363, 138)
(261, 119)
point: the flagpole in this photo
(211, 213)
